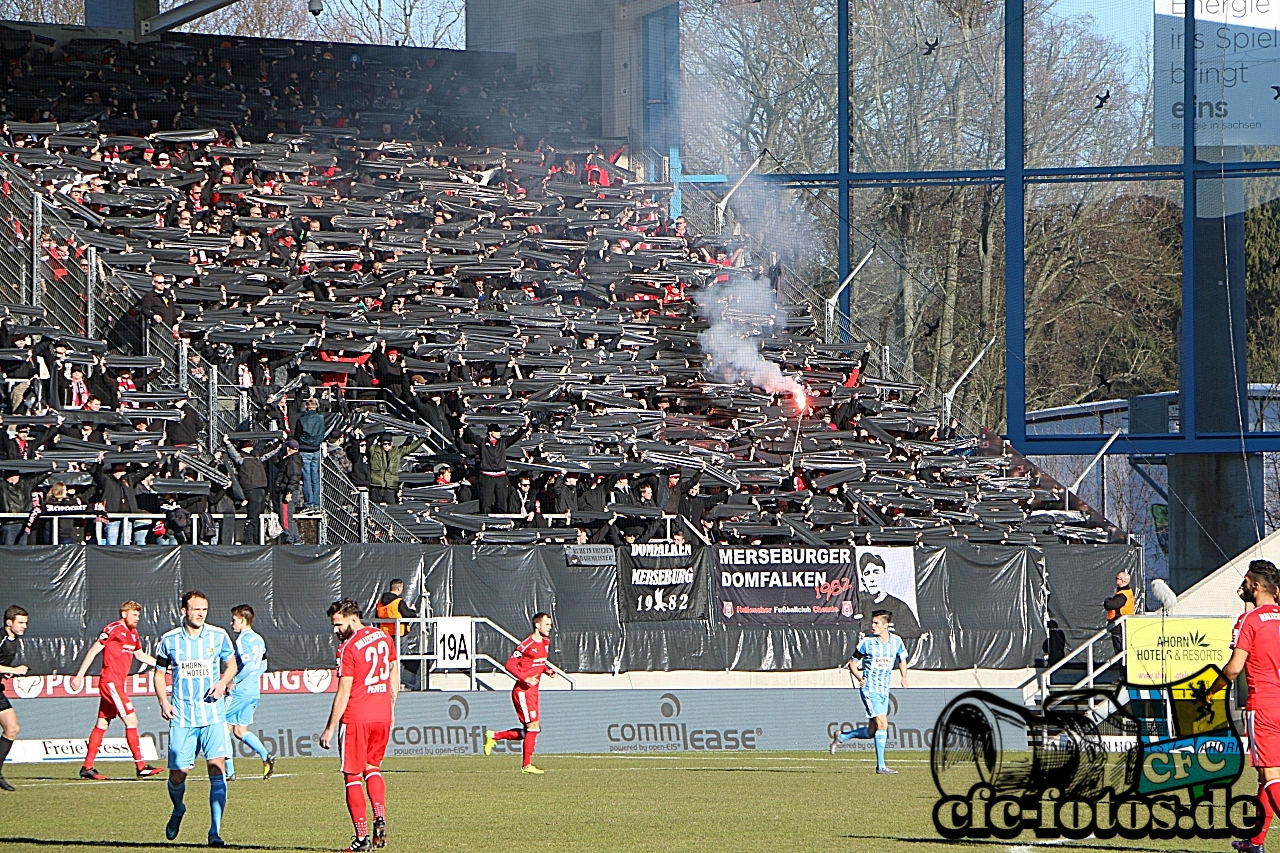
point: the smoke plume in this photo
(743, 312)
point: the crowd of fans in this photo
(416, 277)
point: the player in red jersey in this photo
(527, 664)
(120, 647)
(362, 716)
(1256, 652)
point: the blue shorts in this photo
(240, 709)
(186, 741)
(876, 704)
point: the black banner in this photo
(787, 586)
(661, 581)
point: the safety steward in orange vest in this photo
(1118, 606)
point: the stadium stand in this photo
(417, 300)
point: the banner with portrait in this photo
(887, 582)
(769, 587)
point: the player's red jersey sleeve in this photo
(1235, 631)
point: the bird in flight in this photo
(1277, 95)
(1102, 100)
(931, 46)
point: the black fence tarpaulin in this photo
(1082, 577)
(981, 606)
(588, 636)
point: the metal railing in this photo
(1095, 665)
(426, 645)
(349, 514)
(126, 519)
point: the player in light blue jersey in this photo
(242, 701)
(872, 669)
(201, 662)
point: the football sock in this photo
(1268, 797)
(1266, 812)
(135, 745)
(217, 802)
(5, 743)
(860, 733)
(509, 734)
(95, 743)
(355, 804)
(176, 793)
(530, 738)
(255, 743)
(377, 788)
(881, 739)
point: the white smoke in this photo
(743, 312)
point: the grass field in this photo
(776, 802)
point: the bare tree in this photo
(415, 23)
(926, 83)
(47, 11)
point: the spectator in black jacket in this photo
(159, 306)
(388, 369)
(15, 497)
(118, 488)
(253, 483)
(186, 432)
(23, 446)
(523, 501)
(357, 450)
(491, 457)
(289, 488)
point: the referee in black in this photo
(15, 625)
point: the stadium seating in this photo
(426, 244)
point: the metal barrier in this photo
(349, 515)
(126, 519)
(1093, 667)
(44, 263)
(446, 656)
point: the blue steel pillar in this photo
(1014, 210)
(842, 140)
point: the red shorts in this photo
(113, 702)
(1263, 729)
(526, 702)
(362, 745)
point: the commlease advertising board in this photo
(661, 581)
(1159, 650)
(1237, 48)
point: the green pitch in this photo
(768, 802)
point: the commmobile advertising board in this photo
(1141, 762)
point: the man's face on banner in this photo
(871, 575)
